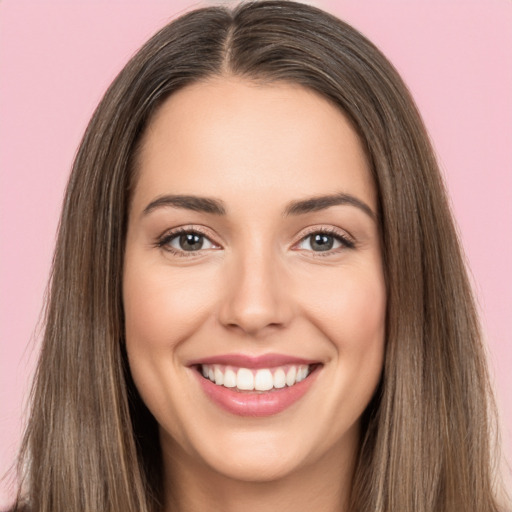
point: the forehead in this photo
(233, 138)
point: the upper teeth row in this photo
(259, 380)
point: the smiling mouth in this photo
(260, 386)
(256, 381)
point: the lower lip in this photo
(256, 403)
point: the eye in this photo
(325, 241)
(185, 242)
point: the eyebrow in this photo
(316, 203)
(195, 203)
(293, 208)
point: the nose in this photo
(258, 295)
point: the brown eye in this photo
(181, 242)
(325, 241)
(190, 242)
(321, 242)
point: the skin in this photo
(257, 285)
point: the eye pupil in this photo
(191, 242)
(322, 242)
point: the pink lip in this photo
(256, 403)
(247, 361)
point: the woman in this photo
(321, 350)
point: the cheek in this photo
(163, 307)
(362, 321)
(349, 306)
(350, 312)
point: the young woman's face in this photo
(253, 257)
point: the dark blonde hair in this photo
(91, 444)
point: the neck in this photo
(192, 486)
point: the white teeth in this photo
(301, 373)
(244, 379)
(290, 376)
(219, 376)
(279, 378)
(263, 379)
(229, 379)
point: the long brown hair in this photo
(92, 445)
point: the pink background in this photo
(57, 58)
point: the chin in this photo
(245, 454)
(259, 464)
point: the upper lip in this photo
(250, 361)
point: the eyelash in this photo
(163, 242)
(170, 235)
(345, 241)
